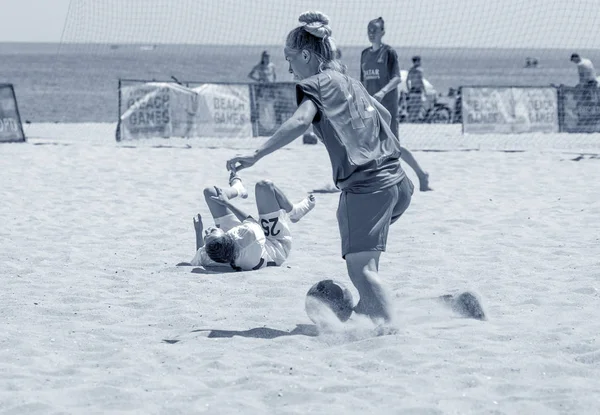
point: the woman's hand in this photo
(221, 198)
(379, 96)
(240, 162)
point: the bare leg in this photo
(409, 159)
(421, 174)
(363, 268)
(217, 210)
(235, 189)
(270, 198)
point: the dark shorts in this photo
(364, 218)
(392, 107)
(394, 125)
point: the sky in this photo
(429, 23)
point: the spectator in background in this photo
(264, 71)
(416, 90)
(588, 83)
(264, 113)
(380, 75)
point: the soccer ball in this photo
(328, 297)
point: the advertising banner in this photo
(11, 129)
(509, 110)
(146, 111)
(579, 110)
(172, 110)
(223, 110)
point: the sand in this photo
(97, 318)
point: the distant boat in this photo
(148, 47)
(113, 47)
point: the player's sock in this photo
(236, 183)
(302, 208)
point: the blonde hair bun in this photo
(316, 23)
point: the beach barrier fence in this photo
(149, 109)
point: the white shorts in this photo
(276, 227)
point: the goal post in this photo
(11, 129)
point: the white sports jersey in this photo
(249, 239)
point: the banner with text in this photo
(272, 105)
(160, 109)
(11, 129)
(509, 110)
(579, 109)
(146, 111)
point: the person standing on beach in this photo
(363, 150)
(380, 75)
(416, 90)
(264, 71)
(588, 83)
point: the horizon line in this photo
(157, 44)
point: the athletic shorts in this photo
(364, 218)
(276, 227)
(392, 107)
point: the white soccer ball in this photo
(327, 300)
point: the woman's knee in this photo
(264, 186)
(209, 192)
(363, 259)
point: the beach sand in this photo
(97, 318)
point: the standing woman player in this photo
(363, 150)
(380, 74)
(264, 71)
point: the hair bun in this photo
(316, 23)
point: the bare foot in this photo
(328, 188)
(465, 304)
(424, 183)
(376, 313)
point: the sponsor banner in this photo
(172, 110)
(146, 111)
(222, 110)
(509, 110)
(272, 105)
(11, 129)
(579, 109)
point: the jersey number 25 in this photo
(269, 226)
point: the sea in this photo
(73, 83)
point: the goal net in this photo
(191, 43)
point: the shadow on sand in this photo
(256, 333)
(207, 270)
